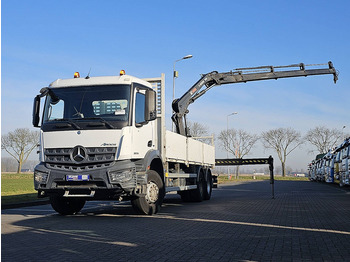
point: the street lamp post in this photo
(175, 75)
(234, 113)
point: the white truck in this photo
(104, 138)
(328, 160)
(344, 163)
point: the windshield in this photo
(110, 103)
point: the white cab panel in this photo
(86, 138)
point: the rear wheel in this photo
(197, 194)
(208, 186)
(152, 201)
(66, 206)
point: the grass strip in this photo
(17, 188)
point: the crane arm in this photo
(239, 75)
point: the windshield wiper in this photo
(98, 118)
(68, 123)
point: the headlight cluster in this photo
(40, 177)
(121, 176)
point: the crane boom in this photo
(239, 75)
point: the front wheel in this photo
(66, 206)
(153, 199)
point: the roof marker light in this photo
(76, 75)
(122, 72)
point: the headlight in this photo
(40, 177)
(121, 176)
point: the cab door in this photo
(143, 130)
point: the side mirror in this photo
(36, 111)
(150, 105)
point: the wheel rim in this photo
(152, 192)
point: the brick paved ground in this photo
(306, 222)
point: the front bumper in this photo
(118, 179)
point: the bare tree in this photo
(8, 164)
(199, 130)
(284, 141)
(19, 144)
(324, 138)
(237, 142)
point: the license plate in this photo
(77, 177)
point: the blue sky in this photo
(46, 40)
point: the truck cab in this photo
(329, 167)
(344, 164)
(95, 134)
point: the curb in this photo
(25, 204)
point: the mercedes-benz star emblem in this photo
(78, 154)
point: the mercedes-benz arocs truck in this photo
(104, 138)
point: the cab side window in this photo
(140, 108)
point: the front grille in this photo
(94, 155)
(76, 168)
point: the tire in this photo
(66, 206)
(185, 196)
(150, 203)
(341, 181)
(197, 195)
(208, 186)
